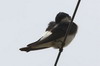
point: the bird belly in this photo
(58, 42)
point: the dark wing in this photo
(57, 32)
(50, 26)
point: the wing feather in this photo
(57, 32)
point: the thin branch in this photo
(67, 32)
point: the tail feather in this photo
(35, 46)
(27, 49)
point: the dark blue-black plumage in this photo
(55, 31)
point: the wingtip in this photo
(27, 49)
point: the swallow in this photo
(54, 34)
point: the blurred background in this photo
(24, 21)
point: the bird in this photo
(54, 34)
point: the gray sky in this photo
(24, 21)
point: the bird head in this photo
(61, 16)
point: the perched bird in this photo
(54, 34)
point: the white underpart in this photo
(68, 40)
(66, 19)
(46, 34)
